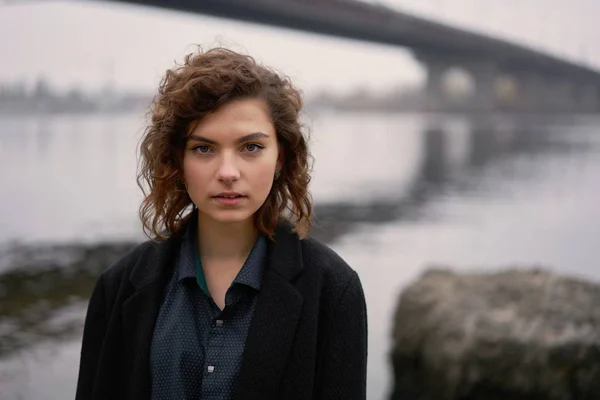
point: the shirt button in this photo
(219, 322)
(211, 369)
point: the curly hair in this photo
(204, 82)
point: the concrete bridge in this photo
(505, 76)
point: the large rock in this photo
(510, 335)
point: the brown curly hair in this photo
(204, 82)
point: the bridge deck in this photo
(356, 20)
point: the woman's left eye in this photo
(253, 147)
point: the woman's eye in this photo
(253, 147)
(202, 149)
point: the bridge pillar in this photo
(532, 93)
(484, 74)
(434, 95)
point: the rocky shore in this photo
(516, 334)
(43, 290)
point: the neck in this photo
(225, 241)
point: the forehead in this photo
(235, 119)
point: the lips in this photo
(229, 196)
(230, 199)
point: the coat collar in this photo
(270, 337)
(284, 257)
(285, 253)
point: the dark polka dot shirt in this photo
(197, 349)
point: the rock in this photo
(517, 334)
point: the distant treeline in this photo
(399, 99)
(16, 98)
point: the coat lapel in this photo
(276, 316)
(140, 311)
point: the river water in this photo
(395, 194)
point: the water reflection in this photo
(42, 284)
(438, 171)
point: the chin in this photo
(230, 216)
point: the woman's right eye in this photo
(202, 149)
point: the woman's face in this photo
(230, 160)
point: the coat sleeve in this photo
(93, 336)
(344, 359)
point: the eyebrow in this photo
(252, 136)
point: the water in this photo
(395, 194)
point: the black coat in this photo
(307, 340)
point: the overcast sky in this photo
(89, 42)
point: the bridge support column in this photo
(484, 74)
(532, 94)
(435, 97)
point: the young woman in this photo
(229, 299)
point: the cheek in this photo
(265, 171)
(193, 174)
(265, 180)
(261, 183)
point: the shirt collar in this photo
(251, 273)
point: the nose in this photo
(228, 171)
